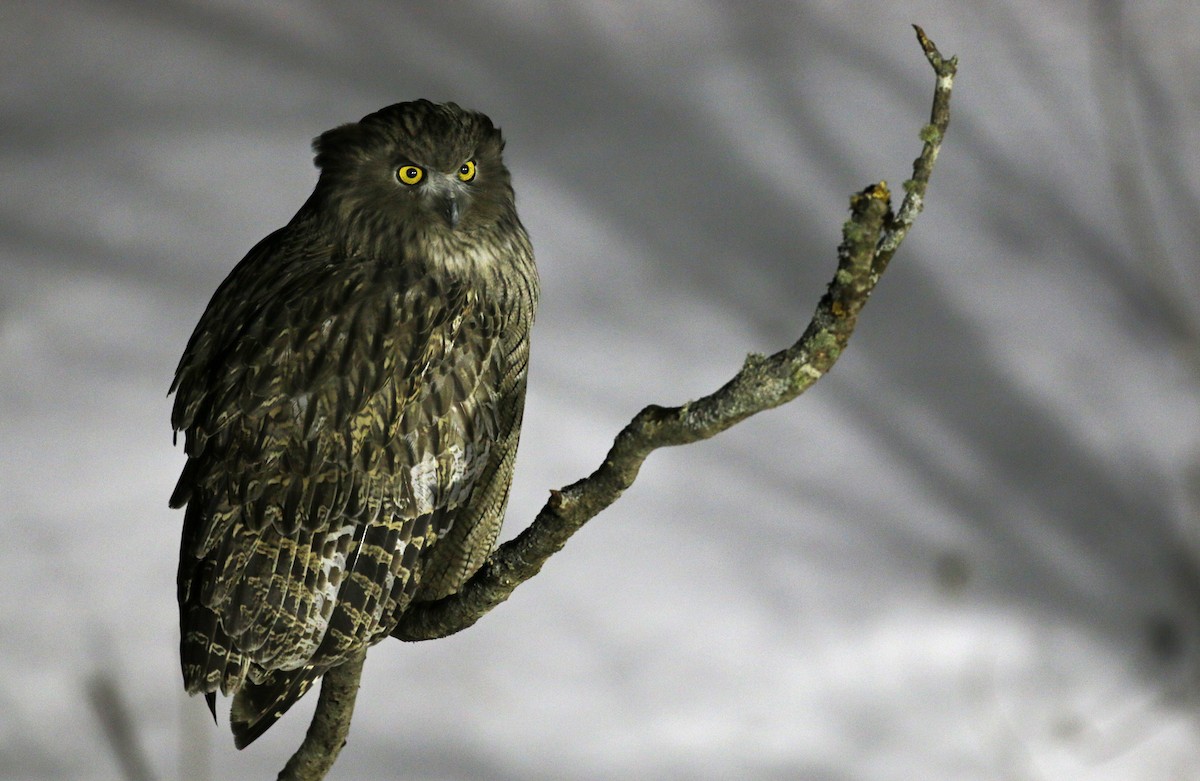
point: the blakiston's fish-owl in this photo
(351, 401)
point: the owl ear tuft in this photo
(336, 145)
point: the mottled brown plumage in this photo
(351, 402)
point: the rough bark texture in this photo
(869, 240)
(331, 723)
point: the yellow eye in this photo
(467, 171)
(409, 174)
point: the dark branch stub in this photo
(869, 240)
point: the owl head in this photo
(412, 170)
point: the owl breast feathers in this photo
(351, 401)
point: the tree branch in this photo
(869, 240)
(331, 723)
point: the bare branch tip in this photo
(941, 66)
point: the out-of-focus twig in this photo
(114, 717)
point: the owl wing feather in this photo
(339, 414)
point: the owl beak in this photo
(448, 207)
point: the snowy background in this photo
(971, 552)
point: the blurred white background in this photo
(971, 552)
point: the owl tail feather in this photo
(256, 706)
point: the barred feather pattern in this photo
(351, 411)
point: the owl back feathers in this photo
(350, 419)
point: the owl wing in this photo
(338, 414)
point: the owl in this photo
(350, 402)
